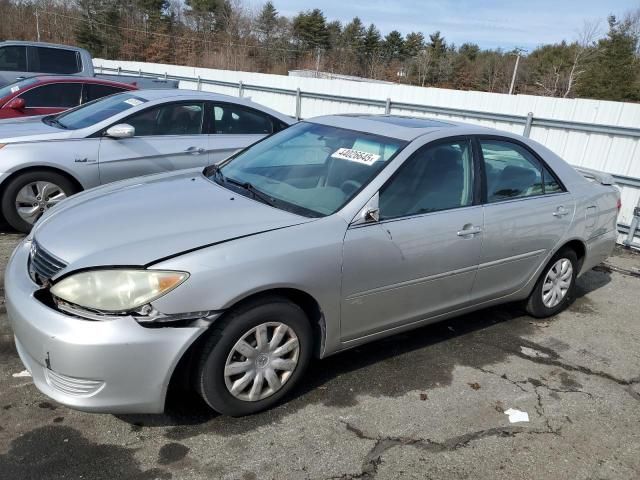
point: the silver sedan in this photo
(332, 233)
(45, 159)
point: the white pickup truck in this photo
(19, 59)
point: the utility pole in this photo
(518, 53)
(318, 51)
(37, 24)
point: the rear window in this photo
(97, 111)
(54, 60)
(13, 58)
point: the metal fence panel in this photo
(596, 134)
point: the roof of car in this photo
(76, 78)
(395, 126)
(177, 94)
(40, 44)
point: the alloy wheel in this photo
(35, 198)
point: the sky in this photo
(502, 24)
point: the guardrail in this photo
(527, 121)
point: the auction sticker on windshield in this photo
(356, 156)
(134, 102)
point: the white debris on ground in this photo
(530, 352)
(23, 373)
(516, 416)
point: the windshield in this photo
(17, 86)
(96, 111)
(309, 169)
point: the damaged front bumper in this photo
(111, 366)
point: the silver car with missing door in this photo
(46, 159)
(335, 232)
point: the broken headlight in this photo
(116, 290)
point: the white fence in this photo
(595, 134)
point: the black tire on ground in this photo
(8, 201)
(535, 305)
(210, 381)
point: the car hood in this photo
(144, 220)
(29, 128)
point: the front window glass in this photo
(310, 169)
(55, 95)
(13, 58)
(435, 178)
(94, 112)
(171, 119)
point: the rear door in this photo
(526, 213)
(167, 137)
(420, 258)
(235, 127)
(52, 98)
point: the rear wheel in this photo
(29, 195)
(254, 357)
(555, 288)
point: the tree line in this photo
(601, 63)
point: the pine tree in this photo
(612, 73)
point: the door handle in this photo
(560, 212)
(195, 150)
(469, 230)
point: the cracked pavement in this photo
(424, 404)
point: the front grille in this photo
(42, 265)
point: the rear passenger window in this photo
(95, 91)
(13, 58)
(54, 60)
(512, 172)
(551, 185)
(435, 178)
(232, 119)
(55, 95)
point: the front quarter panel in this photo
(305, 257)
(76, 157)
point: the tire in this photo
(538, 304)
(64, 187)
(244, 323)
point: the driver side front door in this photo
(167, 137)
(420, 259)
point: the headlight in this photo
(118, 290)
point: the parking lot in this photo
(426, 404)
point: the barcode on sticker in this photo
(356, 156)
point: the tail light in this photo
(619, 205)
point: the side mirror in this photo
(370, 213)
(17, 104)
(121, 130)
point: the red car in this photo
(44, 95)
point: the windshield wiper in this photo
(255, 193)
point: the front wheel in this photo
(555, 288)
(254, 357)
(27, 196)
